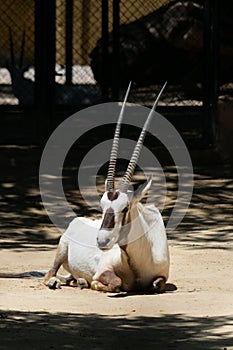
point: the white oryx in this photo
(127, 249)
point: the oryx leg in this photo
(51, 280)
(108, 281)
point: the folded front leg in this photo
(108, 281)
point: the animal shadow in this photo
(170, 287)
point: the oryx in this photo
(127, 249)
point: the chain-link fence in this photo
(168, 46)
(16, 48)
(158, 41)
(78, 22)
(146, 41)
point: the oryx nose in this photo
(102, 243)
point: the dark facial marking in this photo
(123, 236)
(113, 195)
(108, 220)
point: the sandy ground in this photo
(197, 315)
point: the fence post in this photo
(211, 67)
(116, 50)
(45, 51)
(69, 40)
(104, 47)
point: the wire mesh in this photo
(77, 23)
(159, 40)
(17, 18)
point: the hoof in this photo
(82, 283)
(159, 285)
(72, 282)
(54, 283)
(94, 285)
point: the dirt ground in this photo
(196, 312)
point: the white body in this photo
(125, 250)
(143, 258)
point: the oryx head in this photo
(116, 203)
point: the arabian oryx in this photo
(127, 249)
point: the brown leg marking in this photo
(107, 282)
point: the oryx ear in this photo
(142, 189)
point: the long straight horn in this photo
(137, 150)
(12, 58)
(115, 145)
(22, 50)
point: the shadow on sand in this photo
(25, 224)
(92, 331)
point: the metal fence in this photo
(75, 53)
(16, 45)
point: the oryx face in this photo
(115, 206)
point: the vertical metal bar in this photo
(206, 49)
(105, 56)
(116, 50)
(69, 40)
(211, 65)
(215, 54)
(45, 66)
(85, 35)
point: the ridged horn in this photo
(115, 145)
(137, 150)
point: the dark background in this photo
(92, 49)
